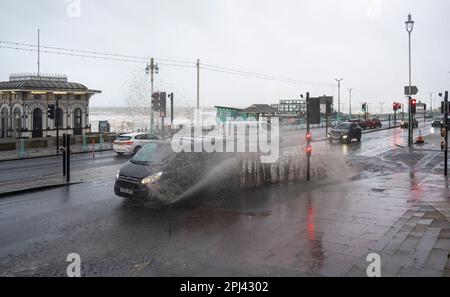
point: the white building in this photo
(25, 100)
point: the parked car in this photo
(157, 173)
(404, 124)
(131, 143)
(361, 123)
(373, 123)
(345, 132)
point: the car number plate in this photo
(126, 191)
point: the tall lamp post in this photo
(409, 27)
(150, 69)
(339, 97)
(350, 102)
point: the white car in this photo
(130, 143)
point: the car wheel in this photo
(136, 149)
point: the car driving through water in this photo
(158, 173)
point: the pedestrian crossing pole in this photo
(308, 143)
(446, 133)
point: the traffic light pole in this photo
(446, 133)
(57, 125)
(171, 109)
(308, 155)
(409, 120)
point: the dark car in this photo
(345, 132)
(158, 173)
(404, 124)
(361, 123)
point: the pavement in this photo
(378, 196)
(11, 155)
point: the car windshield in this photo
(342, 126)
(152, 153)
(123, 138)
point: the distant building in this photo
(255, 111)
(24, 101)
(290, 106)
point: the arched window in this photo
(17, 121)
(4, 123)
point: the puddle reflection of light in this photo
(311, 226)
(432, 130)
(345, 149)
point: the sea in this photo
(132, 119)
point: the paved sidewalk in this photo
(46, 151)
(91, 175)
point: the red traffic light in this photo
(308, 136)
(413, 101)
(308, 150)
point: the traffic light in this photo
(364, 107)
(308, 150)
(394, 106)
(308, 136)
(413, 106)
(51, 111)
(443, 132)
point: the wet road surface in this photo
(322, 228)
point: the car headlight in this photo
(329, 135)
(344, 136)
(117, 174)
(151, 178)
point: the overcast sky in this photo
(362, 41)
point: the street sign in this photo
(414, 90)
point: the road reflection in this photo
(315, 239)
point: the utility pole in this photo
(339, 97)
(431, 102)
(350, 102)
(198, 83)
(39, 53)
(381, 108)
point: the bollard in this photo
(22, 149)
(85, 146)
(68, 158)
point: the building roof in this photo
(24, 82)
(226, 107)
(260, 108)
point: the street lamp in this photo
(150, 69)
(339, 97)
(350, 102)
(409, 27)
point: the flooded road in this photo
(320, 228)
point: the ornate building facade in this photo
(25, 100)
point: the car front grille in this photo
(128, 178)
